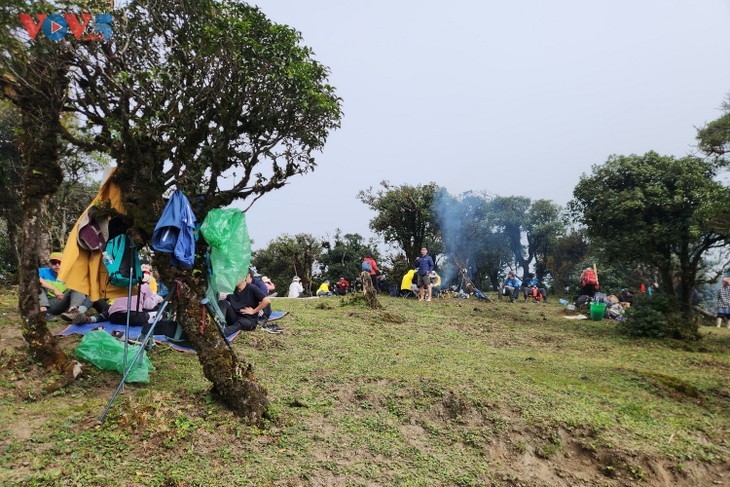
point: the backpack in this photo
(367, 266)
(119, 255)
(589, 277)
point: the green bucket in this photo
(597, 311)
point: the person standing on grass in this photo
(723, 303)
(369, 266)
(424, 266)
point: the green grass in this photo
(452, 392)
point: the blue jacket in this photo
(175, 231)
(425, 264)
(514, 282)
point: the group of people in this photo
(529, 288)
(247, 307)
(56, 299)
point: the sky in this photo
(506, 98)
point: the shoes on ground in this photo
(272, 328)
(71, 314)
(81, 319)
(51, 318)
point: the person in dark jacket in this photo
(244, 307)
(424, 266)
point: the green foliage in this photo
(472, 237)
(343, 258)
(564, 263)
(487, 234)
(714, 138)
(228, 104)
(656, 316)
(543, 226)
(654, 211)
(404, 216)
(288, 256)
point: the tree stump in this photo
(371, 296)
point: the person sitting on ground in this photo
(324, 289)
(424, 266)
(435, 284)
(270, 286)
(531, 288)
(139, 307)
(626, 297)
(588, 282)
(55, 298)
(258, 281)
(243, 308)
(511, 287)
(382, 284)
(341, 286)
(295, 288)
(723, 303)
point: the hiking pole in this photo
(142, 347)
(216, 319)
(132, 249)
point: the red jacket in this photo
(373, 265)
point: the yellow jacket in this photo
(82, 270)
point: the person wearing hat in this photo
(265, 314)
(295, 288)
(270, 286)
(55, 297)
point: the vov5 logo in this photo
(57, 26)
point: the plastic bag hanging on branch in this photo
(226, 232)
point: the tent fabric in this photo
(175, 231)
(405, 284)
(83, 270)
(110, 327)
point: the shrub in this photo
(657, 316)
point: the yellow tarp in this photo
(82, 270)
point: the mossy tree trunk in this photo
(40, 97)
(233, 379)
(371, 296)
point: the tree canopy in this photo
(343, 257)
(208, 97)
(404, 216)
(654, 210)
(288, 256)
(714, 138)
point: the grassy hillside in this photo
(453, 392)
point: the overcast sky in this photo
(508, 97)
